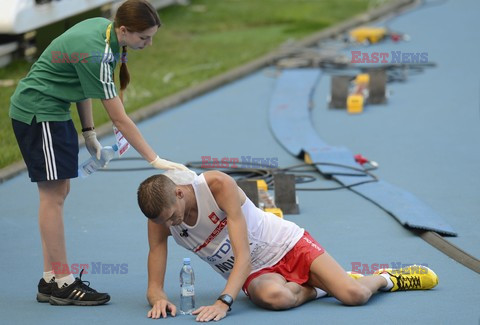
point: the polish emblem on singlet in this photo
(213, 217)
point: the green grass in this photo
(196, 43)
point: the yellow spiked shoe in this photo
(413, 277)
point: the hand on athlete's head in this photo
(160, 163)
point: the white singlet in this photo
(270, 237)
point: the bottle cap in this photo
(186, 260)
(115, 147)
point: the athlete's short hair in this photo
(155, 194)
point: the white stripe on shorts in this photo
(50, 165)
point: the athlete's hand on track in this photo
(161, 308)
(214, 312)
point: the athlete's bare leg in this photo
(328, 274)
(272, 291)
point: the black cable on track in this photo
(266, 173)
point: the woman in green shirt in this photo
(77, 66)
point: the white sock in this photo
(65, 281)
(389, 282)
(320, 293)
(49, 276)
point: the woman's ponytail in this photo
(124, 74)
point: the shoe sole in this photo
(65, 302)
(42, 297)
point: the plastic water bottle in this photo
(92, 164)
(187, 290)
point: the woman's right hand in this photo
(93, 146)
(161, 308)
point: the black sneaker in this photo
(78, 293)
(45, 289)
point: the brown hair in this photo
(155, 194)
(136, 16)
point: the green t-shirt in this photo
(77, 65)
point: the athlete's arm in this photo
(229, 200)
(157, 264)
(122, 121)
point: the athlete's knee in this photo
(275, 298)
(355, 295)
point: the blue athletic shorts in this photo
(50, 149)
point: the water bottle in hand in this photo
(187, 291)
(92, 164)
